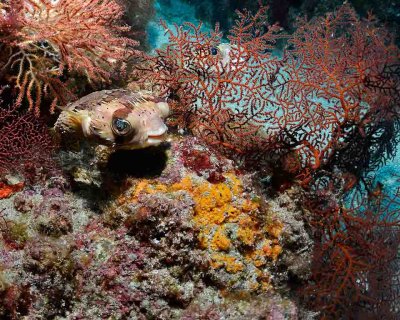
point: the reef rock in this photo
(173, 232)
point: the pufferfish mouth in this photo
(158, 136)
(156, 139)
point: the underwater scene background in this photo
(187, 159)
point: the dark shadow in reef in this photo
(141, 163)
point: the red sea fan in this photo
(25, 144)
(337, 81)
(221, 90)
(328, 100)
(355, 272)
(41, 40)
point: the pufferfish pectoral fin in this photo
(73, 122)
(99, 130)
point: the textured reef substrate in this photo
(179, 233)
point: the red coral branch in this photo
(328, 107)
(356, 256)
(329, 75)
(221, 88)
(25, 144)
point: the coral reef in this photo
(255, 106)
(196, 240)
(264, 210)
(324, 115)
(206, 81)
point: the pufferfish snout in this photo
(120, 118)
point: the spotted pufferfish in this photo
(120, 118)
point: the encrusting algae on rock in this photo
(240, 238)
(192, 237)
(6, 190)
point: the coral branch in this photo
(41, 40)
(356, 258)
(222, 89)
(25, 144)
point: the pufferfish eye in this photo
(214, 51)
(121, 126)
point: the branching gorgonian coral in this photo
(220, 89)
(336, 86)
(329, 108)
(25, 145)
(45, 42)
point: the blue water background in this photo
(172, 12)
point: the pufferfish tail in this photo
(72, 123)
